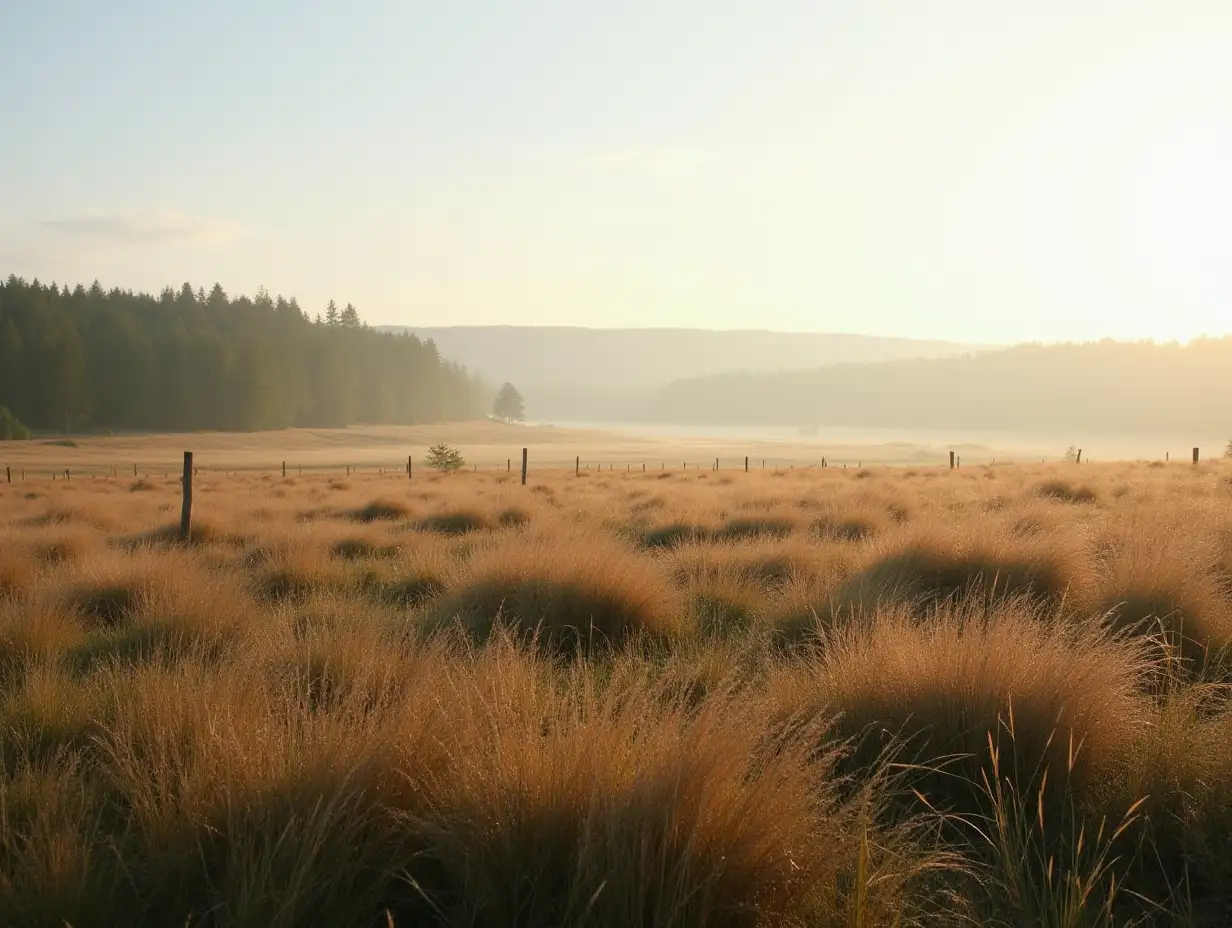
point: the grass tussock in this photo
(382, 510)
(1053, 698)
(937, 568)
(593, 594)
(455, 522)
(1063, 491)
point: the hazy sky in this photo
(984, 170)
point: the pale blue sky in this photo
(979, 170)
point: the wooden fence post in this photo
(134, 470)
(643, 467)
(746, 463)
(284, 470)
(951, 460)
(1195, 454)
(523, 467)
(716, 463)
(408, 468)
(8, 475)
(1078, 459)
(348, 470)
(577, 465)
(186, 508)
(508, 465)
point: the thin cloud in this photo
(163, 227)
(658, 159)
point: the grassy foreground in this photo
(995, 696)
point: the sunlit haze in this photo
(978, 171)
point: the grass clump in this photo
(1054, 698)
(584, 594)
(672, 534)
(1063, 491)
(382, 510)
(939, 568)
(454, 522)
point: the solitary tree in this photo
(10, 428)
(331, 314)
(445, 459)
(508, 405)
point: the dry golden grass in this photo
(796, 696)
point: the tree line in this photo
(186, 360)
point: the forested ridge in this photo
(1106, 386)
(183, 360)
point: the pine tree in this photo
(509, 405)
(349, 318)
(331, 314)
(445, 459)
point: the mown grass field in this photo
(861, 697)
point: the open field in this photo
(488, 445)
(992, 696)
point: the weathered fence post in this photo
(186, 508)
(746, 463)
(716, 463)
(408, 467)
(643, 467)
(1078, 459)
(284, 470)
(134, 470)
(508, 464)
(577, 465)
(951, 460)
(8, 475)
(523, 467)
(1195, 453)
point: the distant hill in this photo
(569, 373)
(1100, 387)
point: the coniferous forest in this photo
(185, 360)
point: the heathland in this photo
(868, 696)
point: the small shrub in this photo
(445, 459)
